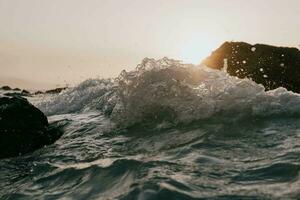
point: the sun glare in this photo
(197, 49)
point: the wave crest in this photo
(168, 90)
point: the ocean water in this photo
(165, 130)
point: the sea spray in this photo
(187, 132)
(184, 92)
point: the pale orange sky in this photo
(59, 41)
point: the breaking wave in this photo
(168, 90)
(165, 130)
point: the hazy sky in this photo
(57, 41)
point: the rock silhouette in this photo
(55, 91)
(23, 127)
(5, 87)
(268, 65)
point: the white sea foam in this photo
(166, 86)
(76, 99)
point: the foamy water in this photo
(165, 130)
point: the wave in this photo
(83, 97)
(171, 91)
(208, 158)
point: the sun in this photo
(195, 50)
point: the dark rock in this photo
(24, 92)
(268, 65)
(13, 94)
(38, 92)
(52, 91)
(23, 127)
(56, 90)
(16, 89)
(5, 87)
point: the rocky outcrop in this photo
(55, 91)
(23, 127)
(12, 92)
(38, 92)
(23, 93)
(52, 91)
(16, 89)
(5, 87)
(268, 65)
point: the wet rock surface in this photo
(23, 127)
(268, 65)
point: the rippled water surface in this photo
(246, 149)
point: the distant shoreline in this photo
(27, 84)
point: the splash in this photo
(169, 90)
(86, 96)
